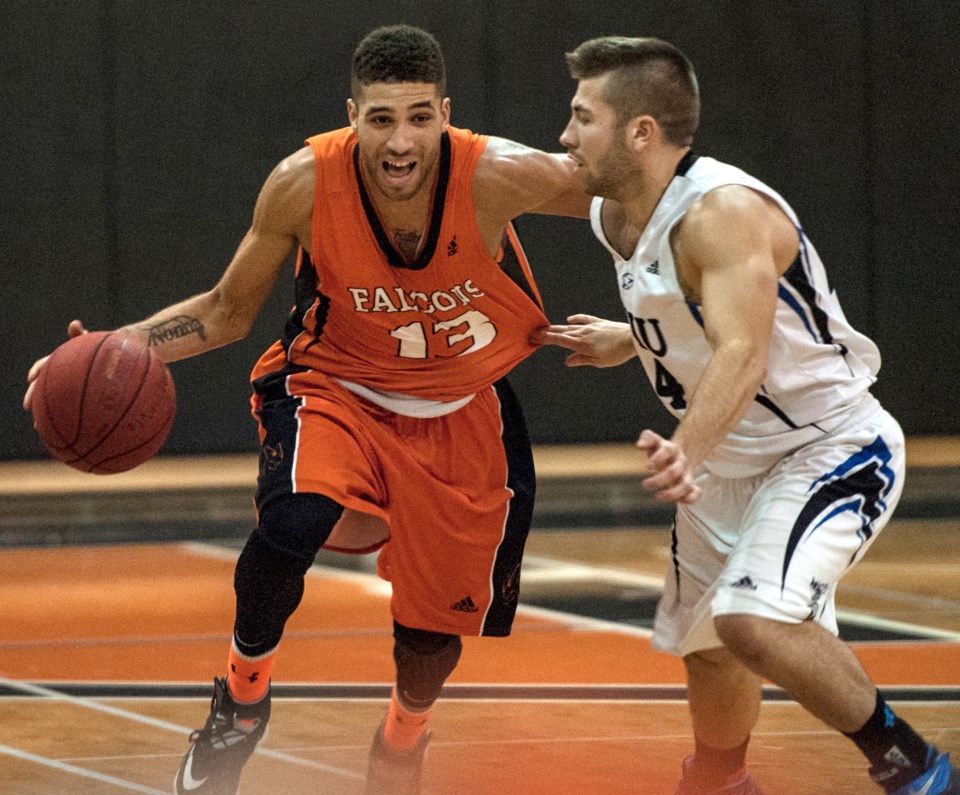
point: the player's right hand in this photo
(594, 342)
(670, 474)
(74, 329)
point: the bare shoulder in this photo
(734, 224)
(514, 179)
(730, 207)
(286, 198)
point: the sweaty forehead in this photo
(397, 96)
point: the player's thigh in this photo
(811, 520)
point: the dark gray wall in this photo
(135, 137)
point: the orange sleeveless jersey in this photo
(440, 328)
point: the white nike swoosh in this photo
(926, 787)
(189, 782)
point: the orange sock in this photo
(249, 677)
(403, 727)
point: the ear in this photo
(445, 112)
(353, 113)
(641, 131)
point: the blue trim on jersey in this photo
(695, 311)
(802, 282)
(860, 485)
(788, 298)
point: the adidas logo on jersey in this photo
(452, 246)
(744, 582)
(654, 267)
(465, 605)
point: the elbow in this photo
(231, 322)
(749, 360)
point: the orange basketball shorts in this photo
(455, 493)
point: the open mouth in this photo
(398, 170)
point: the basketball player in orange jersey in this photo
(383, 411)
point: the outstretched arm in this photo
(227, 311)
(512, 179)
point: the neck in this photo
(644, 194)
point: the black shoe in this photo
(391, 772)
(219, 750)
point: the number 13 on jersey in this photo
(458, 336)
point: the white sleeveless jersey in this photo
(819, 366)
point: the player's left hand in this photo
(671, 475)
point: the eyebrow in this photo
(388, 109)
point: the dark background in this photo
(135, 137)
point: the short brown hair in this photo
(649, 77)
(398, 54)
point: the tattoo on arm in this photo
(173, 329)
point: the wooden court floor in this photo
(107, 653)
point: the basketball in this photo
(104, 403)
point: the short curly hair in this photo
(398, 54)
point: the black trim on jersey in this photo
(796, 277)
(433, 233)
(521, 480)
(674, 545)
(306, 294)
(510, 264)
(771, 406)
(686, 163)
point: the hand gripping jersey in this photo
(406, 335)
(819, 365)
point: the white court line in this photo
(372, 583)
(552, 570)
(92, 704)
(546, 569)
(63, 767)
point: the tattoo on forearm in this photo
(173, 329)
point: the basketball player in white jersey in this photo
(783, 466)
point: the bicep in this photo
(284, 201)
(731, 249)
(516, 179)
(253, 271)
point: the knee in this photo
(424, 661)
(710, 663)
(746, 637)
(297, 525)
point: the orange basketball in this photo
(104, 402)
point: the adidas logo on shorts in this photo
(465, 605)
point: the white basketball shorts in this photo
(775, 545)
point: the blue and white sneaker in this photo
(940, 777)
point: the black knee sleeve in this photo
(424, 661)
(269, 586)
(299, 524)
(268, 579)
